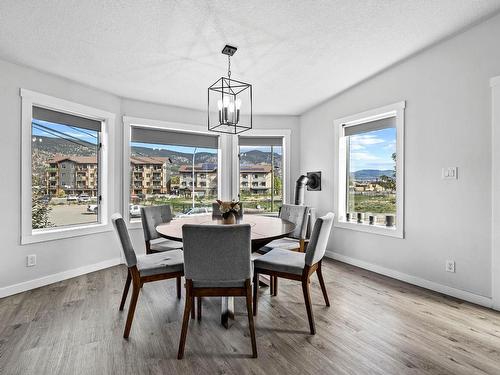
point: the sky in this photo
(373, 150)
(184, 149)
(72, 133)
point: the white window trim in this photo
(29, 99)
(129, 121)
(282, 133)
(396, 109)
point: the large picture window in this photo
(64, 169)
(370, 171)
(261, 176)
(65, 175)
(172, 167)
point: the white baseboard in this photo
(440, 288)
(50, 279)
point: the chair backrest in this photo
(216, 211)
(297, 215)
(310, 222)
(319, 239)
(217, 253)
(127, 248)
(152, 217)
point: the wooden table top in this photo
(263, 228)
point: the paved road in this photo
(71, 214)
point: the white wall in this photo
(448, 123)
(64, 258)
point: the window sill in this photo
(63, 232)
(374, 229)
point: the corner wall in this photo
(447, 124)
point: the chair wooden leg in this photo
(199, 308)
(307, 299)
(322, 283)
(192, 310)
(255, 292)
(131, 309)
(250, 319)
(179, 287)
(188, 307)
(275, 291)
(125, 290)
(271, 285)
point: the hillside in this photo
(371, 174)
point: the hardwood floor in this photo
(375, 325)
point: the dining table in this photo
(263, 230)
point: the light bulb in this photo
(238, 103)
(219, 104)
(226, 101)
(231, 106)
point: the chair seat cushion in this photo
(165, 245)
(281, 260)
(158, 263)
(282, 243)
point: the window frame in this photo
(28, 100)
(285, 134)
(129, 122)
(340, 183)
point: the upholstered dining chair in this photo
(300, 216)
(216, 264)
(144, 268)
(298, 266)
(153, 216)
(217, 213)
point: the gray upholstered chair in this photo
(144, 268)
(216, 263)
(299, 215)
(216, 211)
(153, 216)
(298, 266)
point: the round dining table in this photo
(263, 230)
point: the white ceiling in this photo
(295, 53)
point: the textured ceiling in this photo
(295, 53)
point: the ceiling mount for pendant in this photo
(229, 102)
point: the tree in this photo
(40, 209)
(389, 182)
(277, 184)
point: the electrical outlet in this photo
(31, 260)
(450, 266)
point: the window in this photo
(177, 162)
(369, 175)
(261, 159)
(62, 142)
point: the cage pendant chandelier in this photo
(229, 102)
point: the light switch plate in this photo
(450, 266)
(449, 173)
(31, 260)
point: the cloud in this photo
(366, 139)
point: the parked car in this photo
(196, 211)
(135, 210)
(45, 199)
(72, 198)
(92, 208)
(82, 198)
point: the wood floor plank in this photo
(375, 325)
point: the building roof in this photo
(148, 160)
(253, 168)
(75, 159)
(205, 167)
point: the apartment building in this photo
(149, 175)
(72, 175)
(205, 179)
(256, 179)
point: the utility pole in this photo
(192, 176)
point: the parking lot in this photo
(68, 214)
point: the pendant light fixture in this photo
(229, 102)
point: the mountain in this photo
(259, 157)
(178, 158)
(371, 174)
